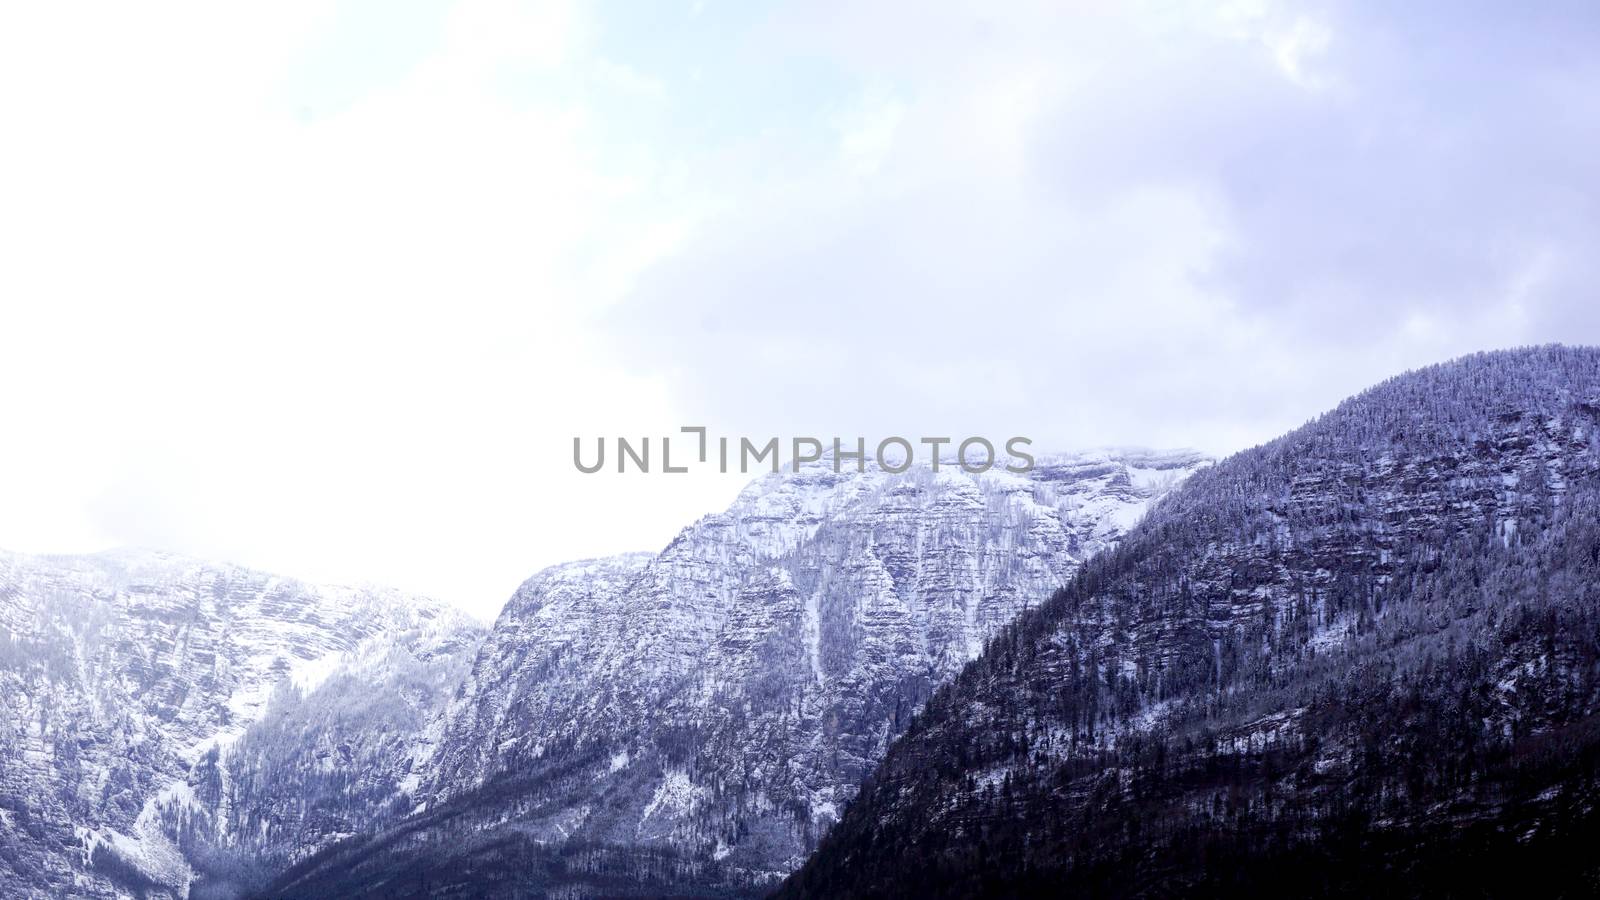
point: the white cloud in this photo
(356, 346)
(1297, 49)
(867, 131)
(328, 288)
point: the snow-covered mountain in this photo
(163, 720)
(696, 719)
(1360, 660)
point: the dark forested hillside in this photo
(1364, 657)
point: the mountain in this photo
(692, 722)
(163, 720)
(1360, 660)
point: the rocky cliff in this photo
(695, 720)
(139, 693)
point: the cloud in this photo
(1152, 224)
(330, 287)
(350, 344)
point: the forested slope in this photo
(1362, 658)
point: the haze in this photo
(329, 288)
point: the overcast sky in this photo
(329, 288)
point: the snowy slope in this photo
(125, 680)
(701, 716)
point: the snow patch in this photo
(676, 795)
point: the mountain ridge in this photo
(130, 676)
(1341, 661)
(690, 721)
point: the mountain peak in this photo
(711, 708)
(137, 676)
(1285, 672)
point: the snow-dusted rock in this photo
(720, 701)
(1360, 659)
(130, 680)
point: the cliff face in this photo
(694, 720)
(128, 679)
(1364, 656)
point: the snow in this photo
(308, 675)
(676, 794)
(149, 853)
(1331, 637)
(812, 626)
(136, 627)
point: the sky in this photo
(329, 288)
